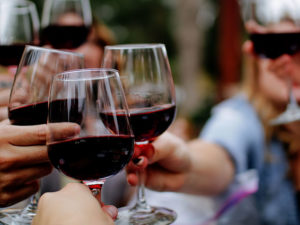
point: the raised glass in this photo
(28, 103)
(104, 143)
(149, 89)
(65, 23)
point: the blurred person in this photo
(92, 42)
(238, 137)
(72, 205)
(93, 49)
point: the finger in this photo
(137, 164)
(23, 175)
(146, 150)
(24, 135)
(5, 122)
(132, 179)
(20, 96)
(19, 157)
(111, 210)
(278, 65)
(60, 131)
(4, 97)
(162, 180)
(36, 135)
(3, 113)
(171, 153)
(18, 194)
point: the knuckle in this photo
(42, 132)
(6, 163)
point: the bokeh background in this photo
(203, 40)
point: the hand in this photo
(24, 159)
(168, 162)
(74, 205)
(6, 80)
(190, 167)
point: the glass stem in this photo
(95, 187)
(141, 197)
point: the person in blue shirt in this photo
(237, 138)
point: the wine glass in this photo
(93, 99)
(28, 103)
(149, 89)
(19, 25)
(274, 28)
(65, 23)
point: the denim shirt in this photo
(235, 126)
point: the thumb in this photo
(111, 210)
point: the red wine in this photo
(66, 110)
(68, 37)
(37, 113)
(11, 54)
(273, 45)
(89, 158)
(146, 123)
(33, 114)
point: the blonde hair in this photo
(264, 108)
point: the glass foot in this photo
(22, 219)
(286, 117)
(6, 216)
(150, 216)
(25, 217)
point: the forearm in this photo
(211, 170)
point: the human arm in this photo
(73, 205)
(195, 167)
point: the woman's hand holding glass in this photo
(24, 159)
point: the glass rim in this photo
(135, 46)
(19, 6)
(19, 3)
(62, 76)
(52, 50)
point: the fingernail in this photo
(76, 128)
